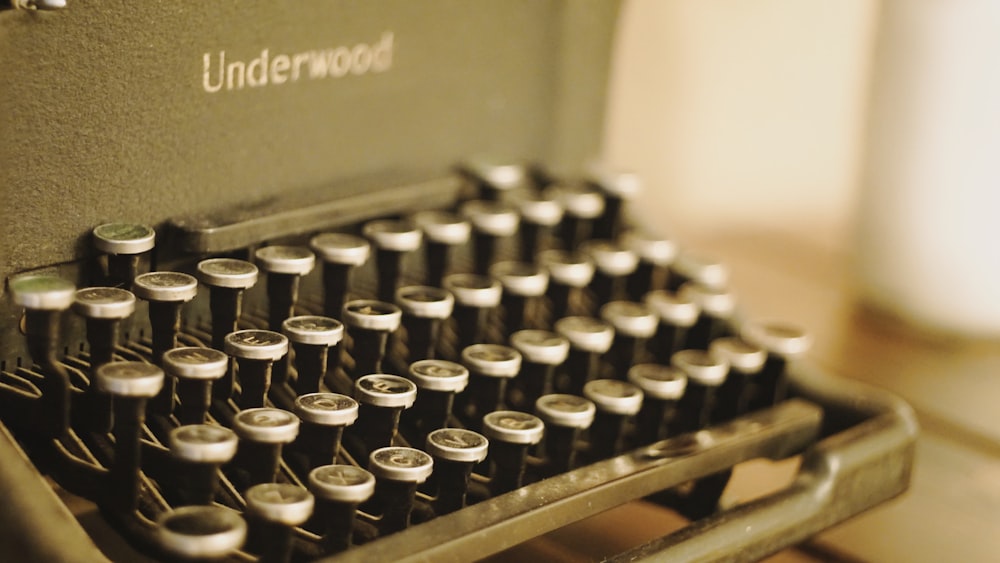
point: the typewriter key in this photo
(476, 297)
(697, 268)
(569, 273)
(523, 283)
(455, 451)
(745, 362)
(511, 434)
(226, 279)
(540, 212)
(44, 299)
(655, 256)
(370, 323)
(490, 366)
(492, 221)
(123, 243)
(783, 343)
(130, 384)
(392, 240)
(589, 340)
(340, 253)
(565, 417)
(437, 381)
(677, 314)
(198, 533)
(255, 351)
(494, 177)
(381, 398)
(195, 369)
(339, 489)
(715, 317)
(705, 374)
(618, 187)
(616, 402)
(613, 264)
(583, 204)
(284, 266)
(397, 472)
(103, 308)
(273, 510)
(324, 417)
(312, 338)
(543, 353)
(662, 387)
(424, 309)
(443, 231)
(634, 324)
(262, 433)
(199, 450)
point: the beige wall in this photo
(741, 112)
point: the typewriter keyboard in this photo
(428, 376)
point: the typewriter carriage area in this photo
(856, 443)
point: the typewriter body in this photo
(317, 170)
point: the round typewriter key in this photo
(543, 353)
(455, 451)
(340, 253)
(44, 299)
(227, 279)
(198, 450)
(130, 384)
(123, 243)
(476, 298)
(312, 338)
(616, 402)
(783, 343)
(589, 340)
(324, 417)
(655, 256)
(493, 177)
(370, 324)
(583, 204)
(273, 510)
(540, 212)
(716, 308)
(195, 369)
(705, 374)
(677, 314)
(102, 308)
(382, 398)
(492, 221)
(662, 387)
(490, 366)
(442, 232)
(199, 533)
(284, 266)
(634, 324)
(619, 187)
(424, 308)
(262, 432)
(339, 489)
(565, 417)
(697, 268)
(569, 272)
(523, 284)
(392, 239)
(255, 351)
(511, 433)
(397, 472)
(613, 264)
(437, 383)
(745, 362)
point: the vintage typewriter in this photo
(265, 300)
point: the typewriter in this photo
(265, 299)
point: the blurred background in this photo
(841, 157)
